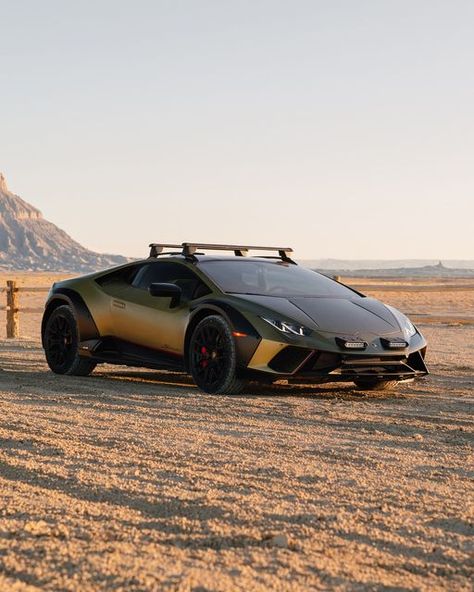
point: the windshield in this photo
(272, 278)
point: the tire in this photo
(212, 357)
(61, 344)
(375, 384)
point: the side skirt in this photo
(110, 350)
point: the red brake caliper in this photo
(203, 353)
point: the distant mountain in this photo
(29, 242)
(388, 264)
(426, 271)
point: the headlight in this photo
(287, 327)
(407, 326)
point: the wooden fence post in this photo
(13, 324)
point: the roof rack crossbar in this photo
(190, 249)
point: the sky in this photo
(342, 129)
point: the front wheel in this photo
(61, 344)
(374, 384)
(213, 359)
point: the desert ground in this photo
(133, 480)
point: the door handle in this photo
(118, 304)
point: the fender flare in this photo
(85, 322)
(246, 344)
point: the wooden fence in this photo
(13, 298)
(13, 306)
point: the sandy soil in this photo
(133, 480)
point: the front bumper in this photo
(315, 365)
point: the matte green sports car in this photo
(227, 320)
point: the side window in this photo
(123, 276)
(171, 273)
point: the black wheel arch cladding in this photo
(86, 326)
(245, 344)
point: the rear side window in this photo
(171, 273)
(125, 275)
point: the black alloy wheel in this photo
(212, 357)
(61, 342)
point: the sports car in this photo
(228, 319)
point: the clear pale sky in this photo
(342, 128)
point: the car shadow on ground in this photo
(167, 384)
(180, 380)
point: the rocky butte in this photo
(29, 242)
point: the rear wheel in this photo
(61, 344)
(374, 384)
(212, 357)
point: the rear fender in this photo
(85, 323)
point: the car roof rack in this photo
(189, 250)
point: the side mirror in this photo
(166, 291)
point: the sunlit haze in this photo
(343, 129)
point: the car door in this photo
(148, 321)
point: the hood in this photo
(338, 315)
(333, 315)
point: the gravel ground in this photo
(136, 481)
